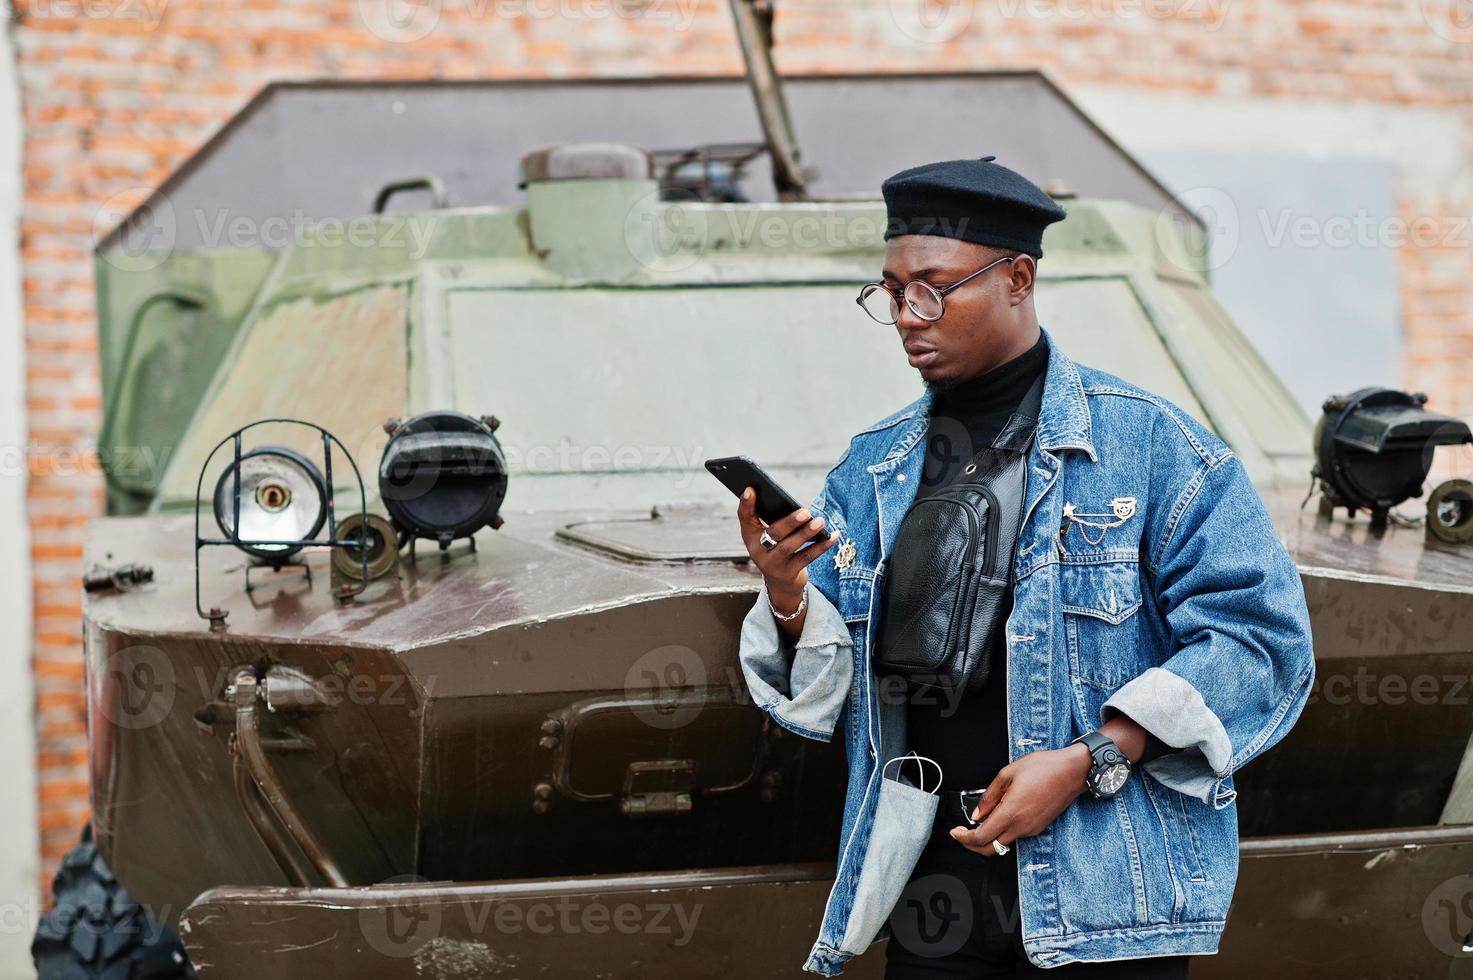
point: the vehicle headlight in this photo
(282, 499)
(1373, 449)
(443, 475)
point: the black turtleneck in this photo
(968, 415)
(968, 737)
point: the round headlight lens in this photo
(282, 498)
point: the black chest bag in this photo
(948, 584)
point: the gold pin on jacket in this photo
(844, 557)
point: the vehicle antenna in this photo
(754, 30)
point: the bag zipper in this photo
(989, 544)
(965, 608)
(964, 634)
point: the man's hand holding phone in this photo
(783, 567)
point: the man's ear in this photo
(1024, 269)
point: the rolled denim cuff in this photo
(826, 961)
(1169, 707)
(802, 685)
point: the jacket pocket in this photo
(1177, 832)
(1107, 590)
(855, 588)
(1100, 600)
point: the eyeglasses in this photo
(883, 303)
(970, 799)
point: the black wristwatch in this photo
(1110, 769)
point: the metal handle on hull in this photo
(252, 756)
(433, 184)
(261, 822)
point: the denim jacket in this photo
(1188, 615)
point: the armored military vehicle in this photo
(530, 752)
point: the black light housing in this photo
(442, 476)
(1373, 449)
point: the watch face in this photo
(1110, 779)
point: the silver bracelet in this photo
(802, 605)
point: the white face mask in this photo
(903, 819)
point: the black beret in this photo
(974, 200)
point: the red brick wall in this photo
(1437, 317)
(117, 93)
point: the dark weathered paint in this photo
(740, 923)
(1344, 899)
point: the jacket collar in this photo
(1063, 415)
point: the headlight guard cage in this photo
(348, 590)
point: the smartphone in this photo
(738, 472)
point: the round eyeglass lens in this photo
(923, 300)
(879, 304)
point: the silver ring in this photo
(1000, 848)
(768, 541)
